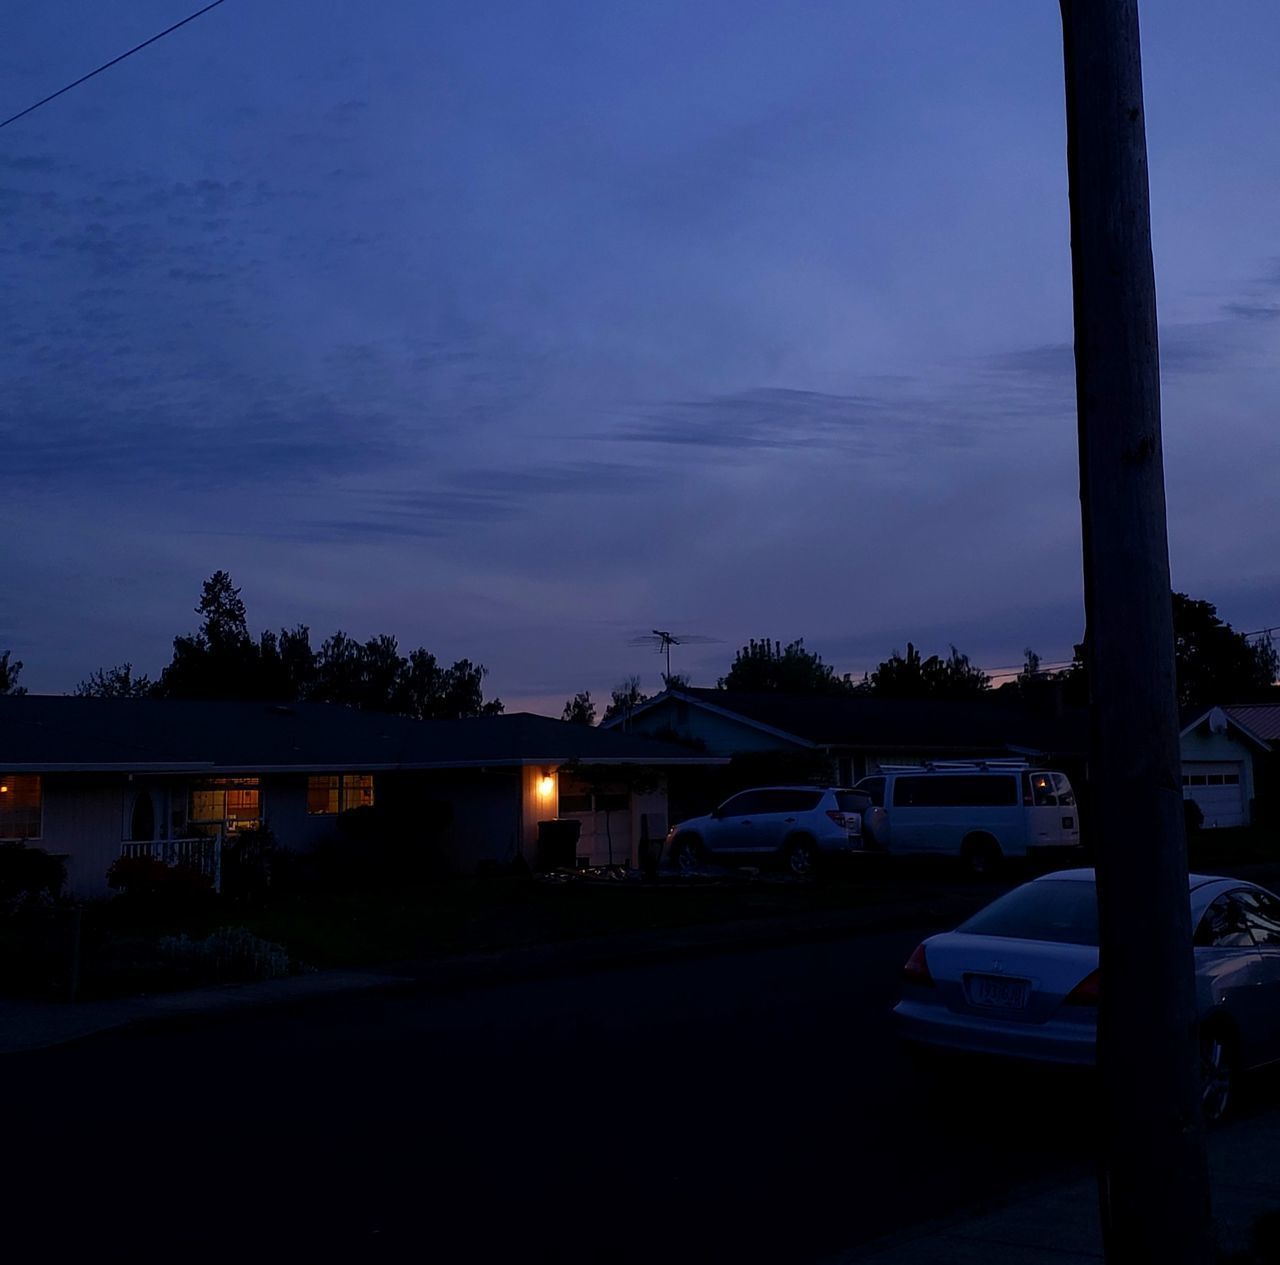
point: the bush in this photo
(250, 864)
(29, 874)
(229, 953)
(147, 880)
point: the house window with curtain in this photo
(338, 792)
(235, 802)
(20, 804)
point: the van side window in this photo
(1066, 796)
(967, 790)
(1043, 792)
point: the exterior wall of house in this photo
(1217, 751)
(83, 819)
(487, 816)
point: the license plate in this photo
(998, 992)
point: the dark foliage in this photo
(769, 666)
(29, 874)
(580, 710)
(910, 676)
(222, 660)
(9, 673)
(149, 882)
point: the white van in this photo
(981, 812)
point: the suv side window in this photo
(743, 804)
(874, 786)
(1224, 925)
(1262, 913)
(796, 801)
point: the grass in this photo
(123, 947)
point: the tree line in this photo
(222, 659)
(1215, 664)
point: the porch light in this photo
(3, 790)
(547, 785)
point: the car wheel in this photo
(1217, 1074)
(801, 856)
(686, 853)
(981, 856)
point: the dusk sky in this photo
(518, 329)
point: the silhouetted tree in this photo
(910, 676)
(580, 710)
(1214, 663)
(222, 660)
(115, 682)
(624, 699)
(766, 666)
(9, 675)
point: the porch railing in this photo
(202, 853)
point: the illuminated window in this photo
(19, 806)
(338, 792)
(235, 802)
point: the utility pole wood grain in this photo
(1153, 1180)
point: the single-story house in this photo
(1229, 756)
(94, 779)
(859, 732)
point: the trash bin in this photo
(558, 843)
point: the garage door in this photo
(1218, 789)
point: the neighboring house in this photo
(860, 732)
(91, 779)
(1229, 756)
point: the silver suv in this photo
(799, 824)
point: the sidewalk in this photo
(34, 1025)
(1059, 1225)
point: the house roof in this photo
(1262, 719)
(1259, 722)
(864, 721)
(55, 732)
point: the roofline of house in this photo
(726, 712)
(244, 770)
(1231, 720)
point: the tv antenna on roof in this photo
(662, 641)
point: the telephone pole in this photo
(1153, 1179)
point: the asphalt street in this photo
(747, 1107)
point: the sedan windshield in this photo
(1064, 911)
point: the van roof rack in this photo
(958, 766)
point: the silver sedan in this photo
(1020, 978)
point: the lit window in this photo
(338, 792)
(19, 806)
(233, 802)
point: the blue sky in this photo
(518, 329)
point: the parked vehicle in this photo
(981, 812)
(1020, 978)
(798, 824)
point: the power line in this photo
(13, 118)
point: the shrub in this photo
(29, 875)
(148, 880)
(250, 864)
(229, 953)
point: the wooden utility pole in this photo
(1153, 1179)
